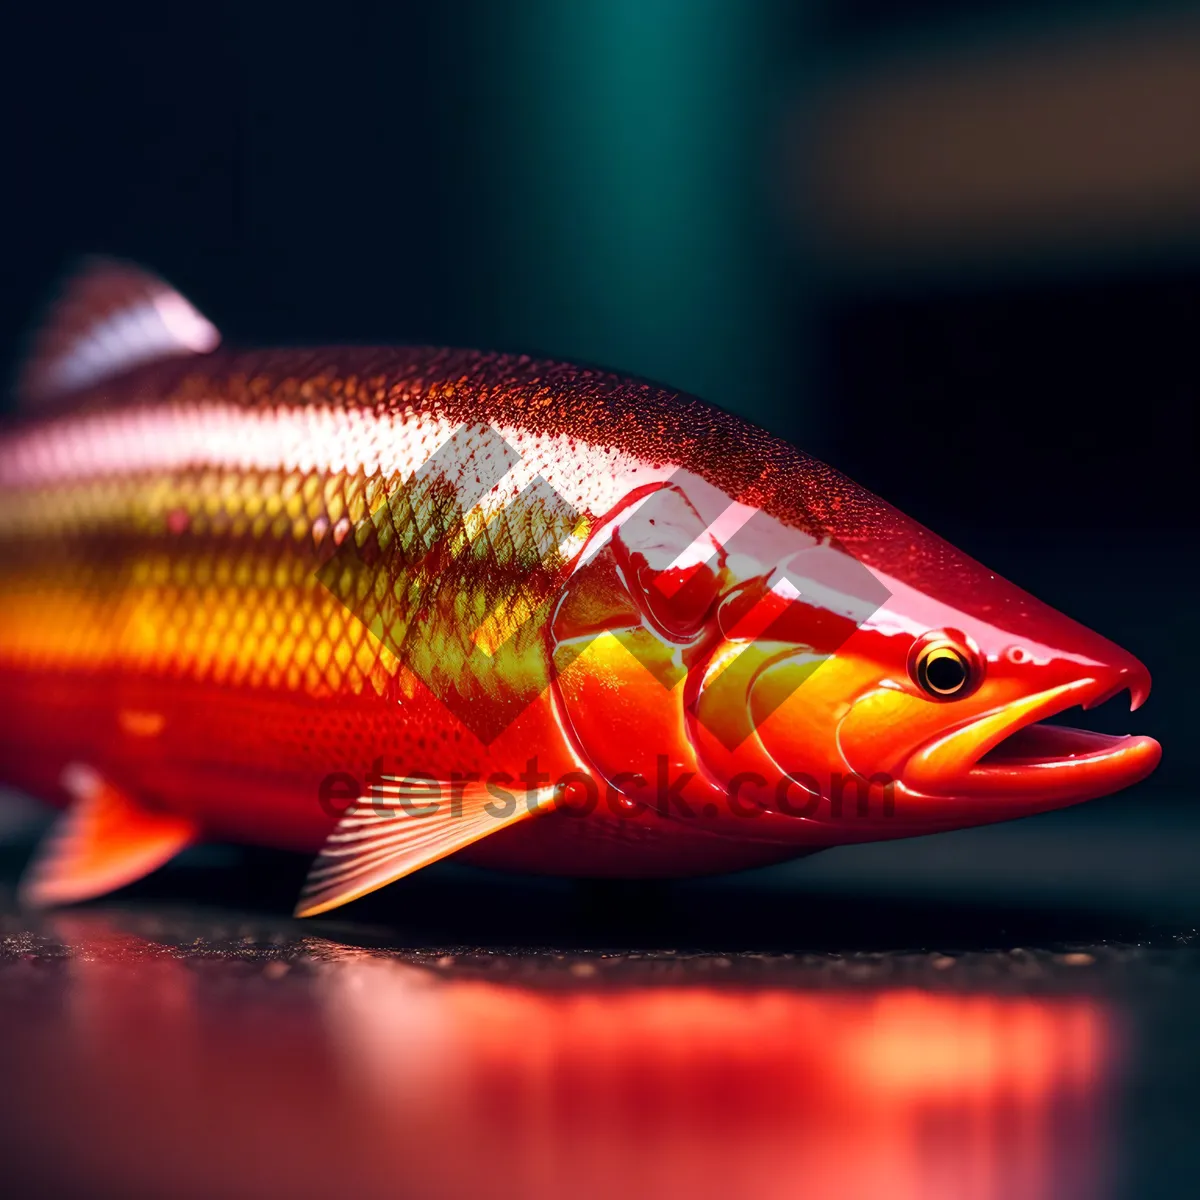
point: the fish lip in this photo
(1087, 764)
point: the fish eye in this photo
(943, 669)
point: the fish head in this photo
(835, 665)
(930, 705)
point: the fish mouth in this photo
(1012, 754)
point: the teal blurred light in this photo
(619, 178)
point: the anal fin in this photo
(103, 841)
(406, 825)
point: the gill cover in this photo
(665, 637)
(633, 617)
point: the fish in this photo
(388, 606)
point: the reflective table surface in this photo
(957, 1017)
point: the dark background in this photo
(953, 249)
(618, 183)
(990, 322)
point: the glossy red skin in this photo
(249, 762)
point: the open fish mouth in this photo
(1014, 753)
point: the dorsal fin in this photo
(111, 316)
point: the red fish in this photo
(393, 605)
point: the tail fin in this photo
(111, 316)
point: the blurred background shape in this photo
(615, 187)
(1045, 138)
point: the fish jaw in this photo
(1002, 761)
(1012, 751)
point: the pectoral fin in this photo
(408, 825)
(104, 841)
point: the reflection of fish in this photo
(698, 1091)
(243, 1068)
(240, 591)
